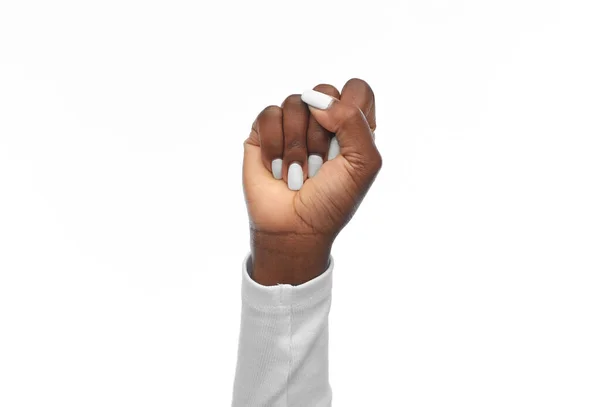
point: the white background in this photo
(469, 277)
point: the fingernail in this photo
(334, 149)
(314, 163)
(317, 99)
(295, 177)
(276, 168)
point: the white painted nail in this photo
(276, 168)
(295, 177)
(314, 163)
(334, 149)
(317, 99)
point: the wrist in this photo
(288, 258)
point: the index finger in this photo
(358, 92)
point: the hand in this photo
(296, 206)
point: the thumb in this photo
(350, 126)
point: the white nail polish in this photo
(276, 168)
(317, 99)
(334, 149)
(295, 177)
(314, 163)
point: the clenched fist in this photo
(307, 166)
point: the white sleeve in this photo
(284, 343)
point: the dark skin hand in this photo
(292, 232)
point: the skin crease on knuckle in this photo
(295, 144)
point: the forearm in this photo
(283, 347)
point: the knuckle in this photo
(377, 161)
(368, 167)
(292, 100)
(364, 92)
(352, 113)
(346, 114)
(357, 83)
(254, 128)
(271, 111)
(295, 144)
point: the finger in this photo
(317, 137)
(269, 127)
(254, 168)
(358, 92)
(351, 128)
(295, 124)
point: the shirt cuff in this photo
(278, 295)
